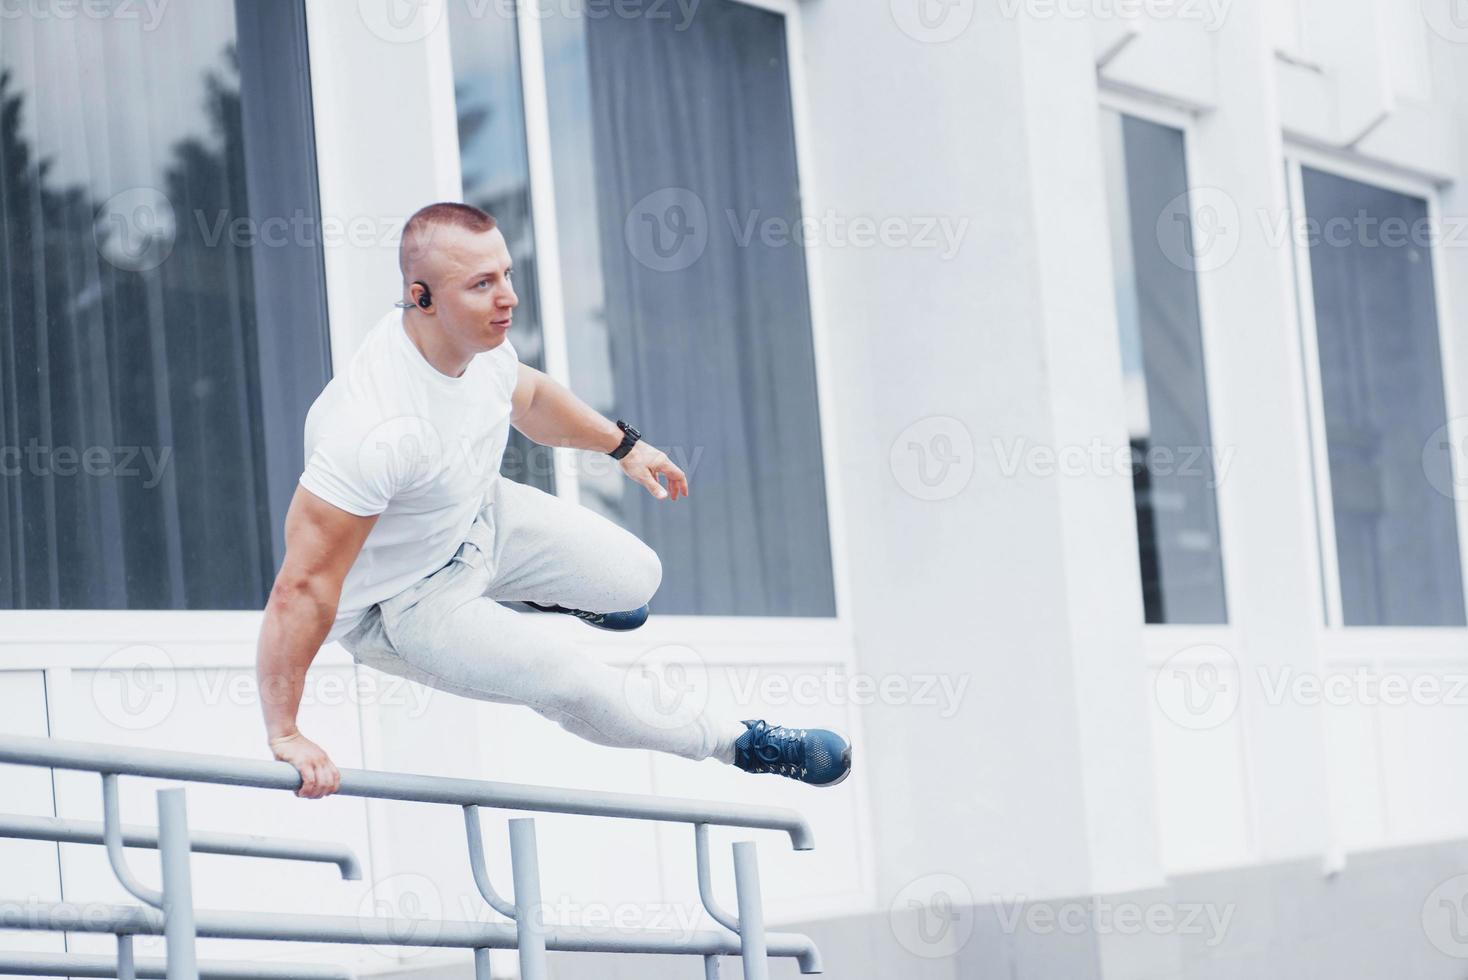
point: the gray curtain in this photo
(714, 361)
(151, 406)
(1382, 382)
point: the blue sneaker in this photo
(811, 755)
(620, 622)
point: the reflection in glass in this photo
(1162, 365)
(157, 357)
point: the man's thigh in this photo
(552, 551)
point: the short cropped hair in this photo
(418, 230)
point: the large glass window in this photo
(162, 307)
(496, 176)
(1173, 458)
(684, 289)
(1381, 390)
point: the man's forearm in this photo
(556, 417)
(296, 623)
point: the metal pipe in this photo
(382, 931)
(112, 836)
(195, 767)
(127, 967)
(705, 885)
(751, 912)
(710, 968)
(475, 834)
(529, 910)
(481, 965)
(65, 831)
(84, 965)
(178, 889)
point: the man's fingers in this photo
(649, 479)
(333, 778)
(308, 781)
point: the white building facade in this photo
(909, 289)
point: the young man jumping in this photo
(402, 539)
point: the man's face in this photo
(469, 273)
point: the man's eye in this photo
(509, 273)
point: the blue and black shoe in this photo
(619, 622)
(811, 755)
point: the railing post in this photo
(751, 913)
(529, 912)
(178, 891)
(481, 964)
(126, 965)
(710, 968)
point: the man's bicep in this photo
(321, 540)
(526, 381)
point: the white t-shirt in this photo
(392, 435)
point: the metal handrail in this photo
(19, 827)
(88, 965)
(195, 767)
(174, 916)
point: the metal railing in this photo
(169, 911)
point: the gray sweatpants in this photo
(448, 632)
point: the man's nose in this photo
(507, 298)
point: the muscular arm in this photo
(547, 412)
(321, 542)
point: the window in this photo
(1381, 399)
(686, 309)
(162, 306)
(1162, 362)
(496, 175)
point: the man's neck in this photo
(430, 343)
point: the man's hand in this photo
(646, 463)
(319, 775)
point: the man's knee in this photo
(644, 575)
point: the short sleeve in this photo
(361, 472)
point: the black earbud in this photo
(425, 300)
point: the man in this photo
(402, 539)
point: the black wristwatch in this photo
(629, 439)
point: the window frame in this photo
(1164, 639)
(828, 633)
(1374, 641)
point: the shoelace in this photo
(777, 746)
